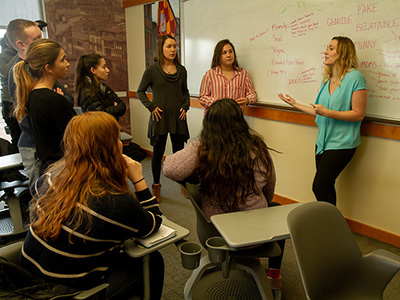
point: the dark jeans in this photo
(329, 165)
(12, 123)
(125, 277)
(178, 142)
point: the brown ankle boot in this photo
(156, 187)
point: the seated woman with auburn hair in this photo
(83, 212)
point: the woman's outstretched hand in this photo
(289, 100)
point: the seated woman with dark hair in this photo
(233, 165)
(84, 212)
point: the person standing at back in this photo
(8, 56)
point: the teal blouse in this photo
(334, 134)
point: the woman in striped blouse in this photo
(84, 212)
(225, 79)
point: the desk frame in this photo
(133, 250)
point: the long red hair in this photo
(92, 166)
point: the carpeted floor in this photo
(178, 209)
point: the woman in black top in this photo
(168, 81)
(92, 93)
(48, 112)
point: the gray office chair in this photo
(240, 276)
(330, 262)
(13, 221)
(11, 253)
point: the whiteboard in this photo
(281, 44)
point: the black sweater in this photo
(83, 261)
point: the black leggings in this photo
(329, 165)
(178, 142)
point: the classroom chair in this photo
(13, 218)
(330, 262)
(11, 254)
(239, 275)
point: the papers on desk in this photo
(162, 234)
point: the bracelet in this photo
(139, 180)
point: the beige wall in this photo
(369, 188)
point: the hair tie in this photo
(139, 180)
(25, 61)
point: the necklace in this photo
(169, 69)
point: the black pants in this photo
(125, 277)
(178, 142)
(329, 165)
(12, 123)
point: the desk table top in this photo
(133, 250)
(10, 161)
(252, 227)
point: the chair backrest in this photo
(205, 229)
(324, 246)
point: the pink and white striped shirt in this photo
(214, 86)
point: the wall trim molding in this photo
(355, 226)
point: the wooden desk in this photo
(252, 227)
(132, 249)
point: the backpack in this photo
(134, 151)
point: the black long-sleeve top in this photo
(80, 258)
(49, 114)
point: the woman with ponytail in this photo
(47, 111)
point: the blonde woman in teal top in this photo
(339, 109)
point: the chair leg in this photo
(13, 202)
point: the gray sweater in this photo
(170, 94)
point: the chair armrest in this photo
(382, 265)
(386, 257)
(93, 293)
